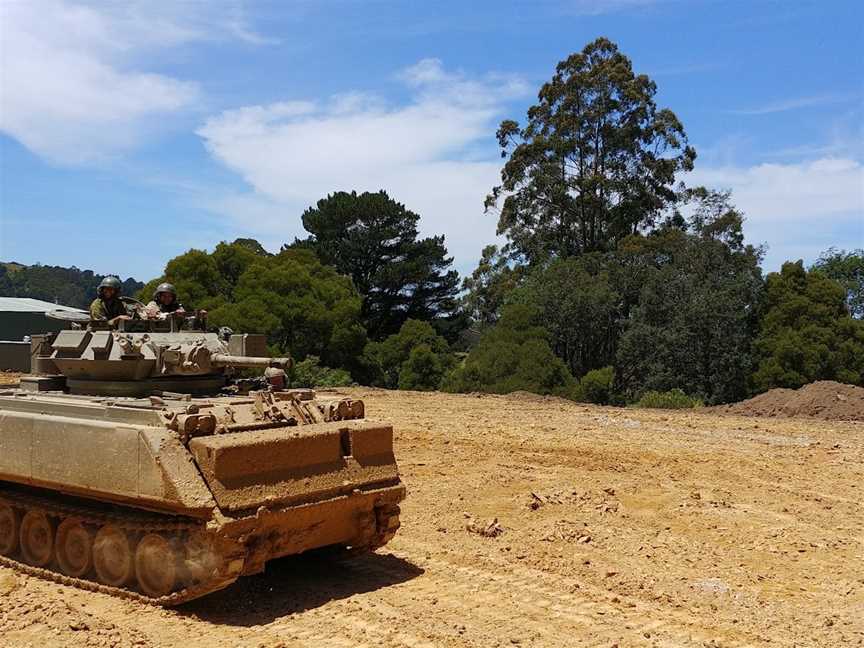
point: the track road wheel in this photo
(74, 547)
(37, 538)
(10, 526)
(155, 565)
(201, 561)
(112, 556)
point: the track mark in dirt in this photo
(348, 628)
(725, 532)
(507, 587)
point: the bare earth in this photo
(9, 378)
(620, 528)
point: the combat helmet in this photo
(110, 282)
(164, 287)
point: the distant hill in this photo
(67, 286)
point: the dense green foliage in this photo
(595, 162)
(489, 286)
(374, 240)
(806, 332)
(596, 386)
(398, 360)
(303, 306)
(513, 355)
(613, 273)
(581, 308)
(674, 308)
(424, 369)
(65, 286)
(310, 373)
(847, 268)
(693, 322)
(672, 399)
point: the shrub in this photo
(513, 355)
(596, 386)
(386, 361)
(806, 332)
(423, 369)
(672, 399)
(309, 373)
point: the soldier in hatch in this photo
(165, 301)
(107, 306)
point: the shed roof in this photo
(28, 305)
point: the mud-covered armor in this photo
(134, 462)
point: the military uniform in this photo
(169, 308)
(106, 309)
(173, 307)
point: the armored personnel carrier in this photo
(137, 462)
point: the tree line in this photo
(55, 284)
(616, 283)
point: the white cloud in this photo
(73, 83)
(434, 153)
(799, 209)
(786, 192)
(792, 104)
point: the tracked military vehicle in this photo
(138, 462)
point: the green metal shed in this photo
(21, 316)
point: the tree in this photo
(489, 286)
(595, 162)
(580, 307)
(512, 355)
(423, 370)
(806, 332)
(847, 268)
(197, 278)
(393, 362)
(374, 240)
(693, 287)
(304, 307)
(65, 286)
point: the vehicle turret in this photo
(143, 357)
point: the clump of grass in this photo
(672, 399)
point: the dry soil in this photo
(539, 522)
(824, 399)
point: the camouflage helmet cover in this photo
(110, 282)
(164, 287)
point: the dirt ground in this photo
(824, 399)
(614, 528)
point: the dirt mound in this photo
(823, 400)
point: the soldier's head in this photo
(165, 294)
(109, 288)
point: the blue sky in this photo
(129, 134)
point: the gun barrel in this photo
(224, 360)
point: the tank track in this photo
(386, 524)
(132, 523)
